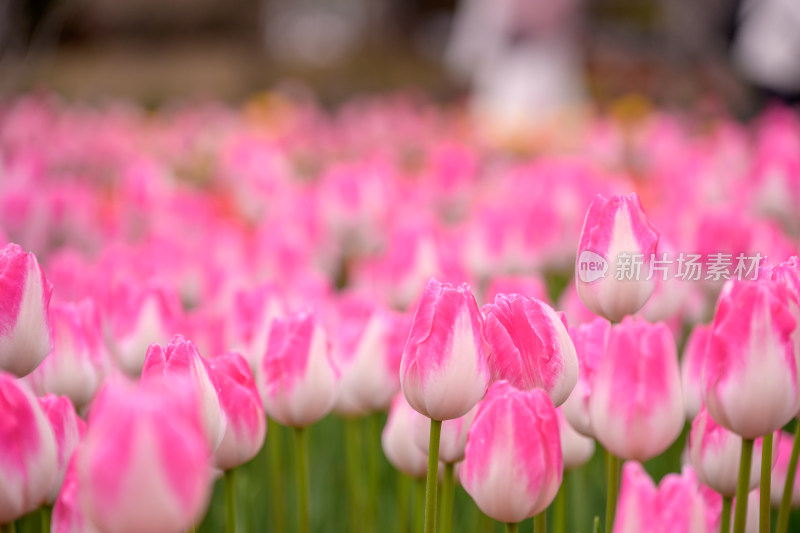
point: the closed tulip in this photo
(444, 372)
(529, 346)
(636, 406)
(145, 464)
(694, 355)
(453, 438)
(68, 430)
(24, 317)
(590, 345)
(297, 377)
(28, 450)
(180, 359)
(576, 449)
(751, 371)
(513, 464)
(68, 512)
(614, 255)
(246, 422)
(252, 314)
(398, 441)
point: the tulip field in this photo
(278, 317)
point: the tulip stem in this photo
(433, 477)
(612, 474)
(353, 457)
(419, 505)
(560, 508)
(303, 523)
(743, 488)
(276, 474)
(373, 459)
(8, 528)
(448, 491)
(725, 520)
(230, 502)
(512, 527)
(45, 512)
(764, 493)
(788, 487)
(402, 502)
(540, 522)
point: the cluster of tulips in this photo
(185, 279)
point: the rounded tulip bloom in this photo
(513, 464)
(590, 344)
(783, 446)
(145, 462)
(68, 430)
(444, 372)
(246, 422)
(714, 452)
(297, 377)
(576, 449)
(636, 406)
(180, 359)
(530, 346)
(28, 467)
(398, 443)
(252, 314)
(79, 361)
(453, 437)
(614, 254)
(68, 512)
(751, 369)
(24, 317)
(694, 356)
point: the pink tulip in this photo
(444, 372)
(69, 515)
(28, 450)
(694, 355)
(24, 317)
(714, 452)
(178, 360)
(751, 368)
(576, 449)
(453, 437)
(297, 378)
(783, 447)
(251, 319)
(677, 505)
(246, 422)
(636, 406)
(79, 361)
(513, 464)
(590, 341)
(616, 237)
(530, 346)
(398, 442)
(532, 287)
(68, 430)
(145, 462)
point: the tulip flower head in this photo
(590, 345)
(68, 430)
(576, 449)
(692, 363)
(616, 237)
(453, 437)
(398, 442)
(444, 371)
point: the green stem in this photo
(230, 502)
(512, 527)
(743, 488)
(274, 434)
(612, 475)
(45, 514)
(788, 487)
(353, 454)
(303, 522)
(373, 458)
(8, 528)
(419, 505)
(402, 502)
(560, 508)
(540, 522)
(725, 526)
(448, 491)
(433, 477)
(766, 474)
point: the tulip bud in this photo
(576, 449)
(398, 443)
(79, 361)
(590, 341)
(694, 355)
(68, 430)
(783, 446)
(530, 346)
(614, 254)
(453, 437)
(68, 512)
(180, 359)
(715, 453)
(636, 406)
(513, 465)
(252, 315)
(752, 370)
(246, 422)
(28, 450)
(297, 378)
(444, 372)
(145, 462)
(24, 318)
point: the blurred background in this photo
(672, 52)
